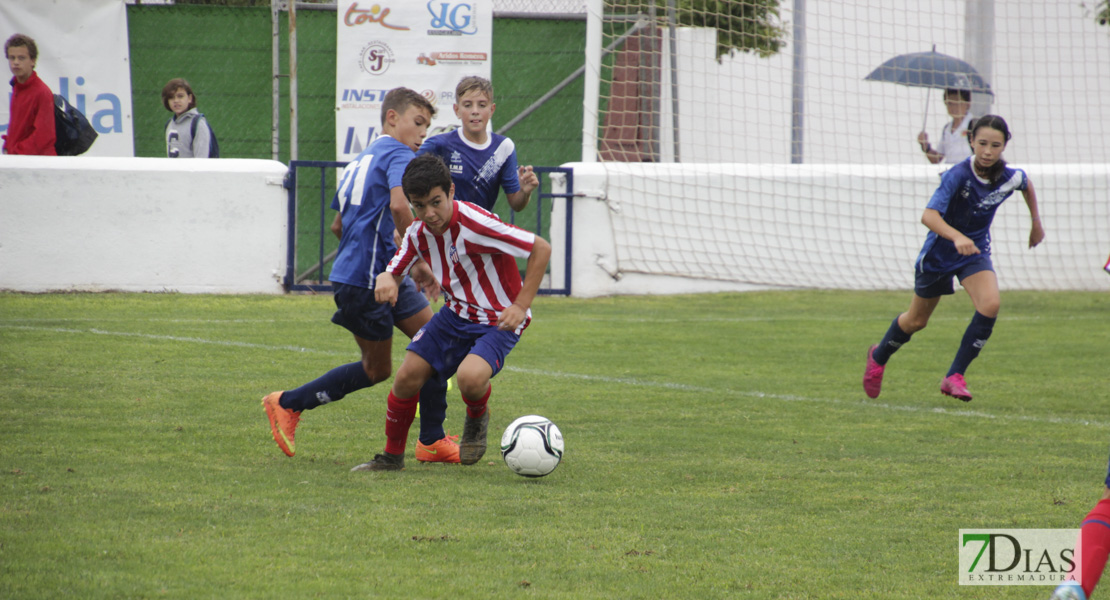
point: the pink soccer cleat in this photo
(873, 375)
(955, 386)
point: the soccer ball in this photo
(532, 446)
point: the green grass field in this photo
(718, 446)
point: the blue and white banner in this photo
(427, 46)
(84, 56)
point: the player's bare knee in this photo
(407, 383)
(989, 308)
(913, 324)
(377, 372)
(472, 385)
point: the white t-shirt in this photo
(953, 144)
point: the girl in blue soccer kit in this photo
(959, 217)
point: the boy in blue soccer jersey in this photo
(959, 217)
(481, 162)
(372, 208)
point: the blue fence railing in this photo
(301, 282)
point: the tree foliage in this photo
(742, 25)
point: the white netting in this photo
(761, 89)
(542, 7)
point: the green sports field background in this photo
(718, 446)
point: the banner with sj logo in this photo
(427, 46)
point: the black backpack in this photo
(73, 134)
(213, 145)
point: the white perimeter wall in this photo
(142, 224)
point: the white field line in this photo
(681, 387)
(631, 381)
(881, 319)
(174, 338)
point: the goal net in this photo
(744, 140)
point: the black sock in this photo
(892, 341)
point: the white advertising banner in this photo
(427, 46)
(83, 56)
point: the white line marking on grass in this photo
(680, 387)
(153, 320)
(793, 398)
(174, 338)
(802, 318)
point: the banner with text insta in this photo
(427, 47)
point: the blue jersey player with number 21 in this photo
(372, 207)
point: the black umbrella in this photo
(931, 70)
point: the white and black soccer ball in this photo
(532, 446)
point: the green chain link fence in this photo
(226, 55)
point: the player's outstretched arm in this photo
(514, 315)
(401, 211)
(425, 279)
(932, 219)
(337, 225)
(529, 181)
(1036, 233)
(385, 288)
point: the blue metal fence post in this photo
(290, 184)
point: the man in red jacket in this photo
(31, 119)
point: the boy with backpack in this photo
(188, 134)
(31, 124)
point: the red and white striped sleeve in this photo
(407, 254)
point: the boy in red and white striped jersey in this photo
(473, 256)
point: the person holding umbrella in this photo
(958, 79)
(954, 144)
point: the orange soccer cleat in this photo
(283, 422)
(445, 450)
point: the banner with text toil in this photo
(427, 46)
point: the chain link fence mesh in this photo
(225, 52)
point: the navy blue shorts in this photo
(446, 340)
(931, 285)
(363, 316)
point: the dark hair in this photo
(171, 88)
(965, 95)
(400, 99)
(424, 174)
(998, 124)
(994, 122)
(22, 40)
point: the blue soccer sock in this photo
(892, 341)
(329, 387)
(433, 410)
(975, 337)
